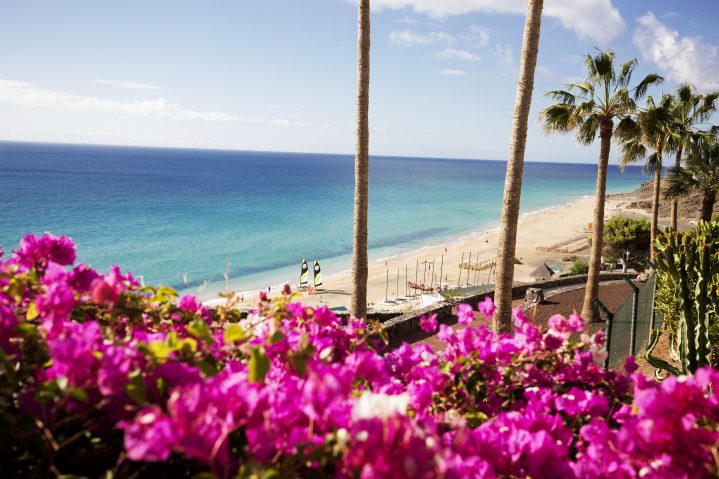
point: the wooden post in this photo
(469, 263)
(406, 289)
(397, 292)
(386, 286)
(441, 269)
(416, 278)
(459, 277)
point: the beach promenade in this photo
(550, 236)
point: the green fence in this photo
(628, 327)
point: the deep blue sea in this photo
(181, 217)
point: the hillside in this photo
(641, 199)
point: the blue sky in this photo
(281, 74)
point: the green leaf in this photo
(234, 332)
(159, 350)
(79, 394)
(201, 330)
(276, 337)
(136, 388)
(475, 418)
(258, 365)
(207, 367)
(32, 311)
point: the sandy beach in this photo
(551, 236)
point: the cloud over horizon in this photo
(129, 85)
(682, 59)
(27, 95)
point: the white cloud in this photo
(452, 53)
(453, 73)
(129, 85)
(408, 38)
(27, 95)
(682, 59)
(505, 54)
(596, 20)
(480, 36)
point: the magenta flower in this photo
(486, 307)
(41, 250)
(465, 314)
(428, 323)
(103, 293)
(150, 436)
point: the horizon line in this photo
(241, 150)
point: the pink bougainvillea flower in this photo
(428, 323)
(486, 307)
(465, 314)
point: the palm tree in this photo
(701, 173)
(690, 110)
(649, 131)
(591, 107)
(515, 165)
(358, 307)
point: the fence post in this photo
(607, 330)
(653, 316)
(635, 310)
(459, 278)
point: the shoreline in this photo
(541, 228)
(404, 252)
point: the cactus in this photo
(691, 262)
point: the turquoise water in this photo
(182, 217)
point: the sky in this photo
(281, 75)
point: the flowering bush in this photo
(99, 376)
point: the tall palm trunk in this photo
(675, 201)
(708, 205)
(359, 240)
(589, 312)
(655, 210)
(515, 166)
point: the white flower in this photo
(371, 405)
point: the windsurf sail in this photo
(318, 274)
(304, 273)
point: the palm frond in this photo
(625, 72)
(562, 96)
(680, 182)
(652, 162)
(641, 89)
(587, 131)
(558, 118)
(632, 151)
(584, 87)
(627, 129)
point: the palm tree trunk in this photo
(675, 201)
(655, 210)
(515, 166)
(591, 292)
(359, 239)
(708, 205)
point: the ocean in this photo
(184, 217)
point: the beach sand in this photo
(542, 237)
